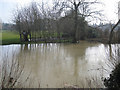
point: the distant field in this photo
(9, 37)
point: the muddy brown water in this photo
(55, 65)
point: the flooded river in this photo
(55, 65)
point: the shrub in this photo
(114, 80)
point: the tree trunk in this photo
(25, 37)
(20, 37)
(75, 26)
(30, 36)
(76, 21)
(111, 32)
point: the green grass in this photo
(9, 37)
(12, 37)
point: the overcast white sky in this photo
(7, 7)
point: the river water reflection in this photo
(62, 65)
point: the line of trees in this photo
(0, 24)
(65, 19)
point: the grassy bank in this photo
(12, 37)
(9, 37)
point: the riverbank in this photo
(17, 41)
(103, 40)
(12, 37)
(9, 37)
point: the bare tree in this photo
(0, 24)
(36, 18)
(20, 18)
(81, 8)
(111, 32)
(27, 20)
